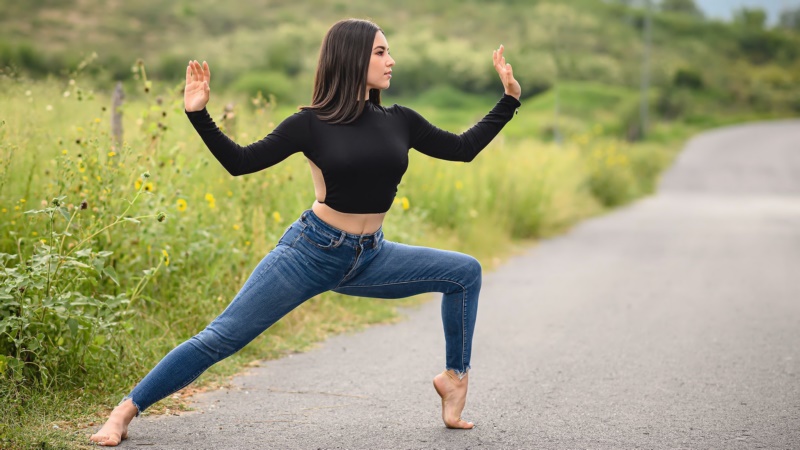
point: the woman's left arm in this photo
(441, 144)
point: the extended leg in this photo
(277, 285)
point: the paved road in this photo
(672, 323)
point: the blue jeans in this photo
(313, 257)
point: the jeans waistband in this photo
(310, 217)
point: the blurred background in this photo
(121, 235)
(703, 54)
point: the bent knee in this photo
(471, 270)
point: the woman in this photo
(358, 152)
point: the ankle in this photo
(125, 411)
(456, 377)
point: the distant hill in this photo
(254, 43)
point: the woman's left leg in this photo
(398, 270)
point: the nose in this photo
(390, 62)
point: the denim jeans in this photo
(313, 257)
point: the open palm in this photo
(196, 93)
(510, 85)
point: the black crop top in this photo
(362, 162)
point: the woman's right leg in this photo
(278, 284)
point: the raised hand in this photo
(511, 85)
(196, 93)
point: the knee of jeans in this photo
(216, 344)
(473, 271)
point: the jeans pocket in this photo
(318, 239)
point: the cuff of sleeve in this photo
(192, 115)
(511, 102)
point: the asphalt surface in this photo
(671, 323)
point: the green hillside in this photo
(272, 45)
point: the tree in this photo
(751, 18)
(681, 6)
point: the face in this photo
(380, 64)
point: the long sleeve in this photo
(287, 138)
(435, 142)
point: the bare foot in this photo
(116, 427)
(454, 395)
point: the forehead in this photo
(380, 40)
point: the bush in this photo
(688, 78)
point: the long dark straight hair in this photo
(341, 77)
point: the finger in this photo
(188, 73)
(494, 57)
(206, 72)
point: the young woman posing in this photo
(358, 152)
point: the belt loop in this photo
(341, 239)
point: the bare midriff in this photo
(351, 223)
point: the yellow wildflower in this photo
(277, 217)
(182, 204)
(404, 202)
(459, 185)
(110, 154)
(212, 202)
(5, 210)
(138, 184)
(236, 226)
(149, 187)
(246, 242)
(97, 120)
(98, 178)
(16, 208)
(22, 200)
(33, 233)
(166, 257)
(230, 194)
(81, 167)
(64, 151)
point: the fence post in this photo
(116, 115)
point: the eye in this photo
(380, 52)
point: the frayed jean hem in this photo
(460, 374)
(138, 409)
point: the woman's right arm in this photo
(237, 160)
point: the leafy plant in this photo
(56, 315)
